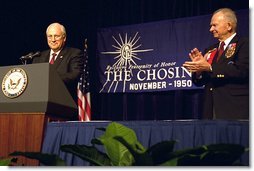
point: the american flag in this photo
(83, 90)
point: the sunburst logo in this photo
(126, 54)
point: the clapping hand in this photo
(198, 62)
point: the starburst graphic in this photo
(126, 52)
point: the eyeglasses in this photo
(56, 37)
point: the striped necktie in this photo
(53, 58)
(221, 50)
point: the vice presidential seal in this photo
(14, 83)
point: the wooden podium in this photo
(24, 115)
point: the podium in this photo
(31, 95)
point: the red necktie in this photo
(53, 58)
(221, 50)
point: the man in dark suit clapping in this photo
(223, 70)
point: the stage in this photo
(188, 133)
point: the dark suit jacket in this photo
(69, 66)
(227, 86)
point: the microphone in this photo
(31, 55)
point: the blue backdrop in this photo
(149, 57)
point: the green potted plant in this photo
(122, 148)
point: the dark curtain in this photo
(170, 105)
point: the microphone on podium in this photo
(29, 56)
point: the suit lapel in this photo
(59, 58)
(224, 56)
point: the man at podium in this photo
(67, 61)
